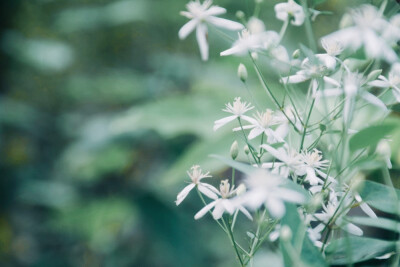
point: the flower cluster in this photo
(301, 154)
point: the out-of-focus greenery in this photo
(102, 111)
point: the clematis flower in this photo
(223, 204)
(262, 124)
(265, 188)
(290, 10)
(196, 175)
(368, 31)
(200, 15)
(290, 161)
(238, 108)
(393, 81)
(313, 164)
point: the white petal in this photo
(255, 132)
(275, 207)
(297, 78)
(228, 206)
(281, 154)
(352, 229)
(219, 123)
(187, 28)
(183, 194)
(215, 10)
(248, 119)
(290, 195)
(331, 81)
(237, 49)
(368, 210)
(374, 100)
(218, 211)
(379, 83)
(207, 191)
(201, 35)
(311, 177)
(204, 210)
(226, 24)
(246, 212)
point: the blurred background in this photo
(102, 111)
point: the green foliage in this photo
(381, 197)
(370, 136)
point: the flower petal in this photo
(225, 23)
(374, 100)
(219, 123)
(206, 191)
(187, 28)
(183, 194)
(201, 35)
(204, 210)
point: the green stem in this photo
(309, 30)
(234, 244)
(306, 124)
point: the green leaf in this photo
(370, 136)
(355, 249)
(383, 223)
(380, 196)
(310, 254)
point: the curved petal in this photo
(219, 123)
(246, 212)
(374, 100)
(215, 10)
(218, 211)
(187, 28)
(255, 132)
(331, 81)
(225, 23)
(204, 210)
(297, 78)
(379, 83)
(183, 194)
(352, 229)
(201, 35)
(275, 207)
(206, 191)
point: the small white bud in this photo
(296, 54)
(286, 233)
(246, 149)
(373, 75)
(234, 150)
(356, 181)
(316, 201)
(241, 189)
(259, 1)
(242, 72)
(254, 55)
(240, 14)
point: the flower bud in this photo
(296, 54)
(241, 189)
(240, 14)
(356, 181)
(286, 233)
(254, 55)
(373, 75)
(259, 1)
(234, 150)
(242, 72)
(246, 149)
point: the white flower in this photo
(290, 161)
(393, 81)
(201, 14)
(223, 204)
(263, 124)
(267, 189)
(313, 164)
(352, 87)
(367, 31)
(238, 108)
(247, 42)
(332, 47)
(196, 176)
(286, 11)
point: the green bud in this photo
(240, 14)
(242, 72)
(234, 150)
(296, 54)
(246, 149)
(322, 127)
(373, 75)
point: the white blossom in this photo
(201, 14)
(238, 108)
(393, 81)
(196, 175)
(313, 164)
(368, 31)
(289, 10)
(223, 204)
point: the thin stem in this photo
(205, 204)
(234, 244)
(283, 30)
(309, 30)
(306, 124)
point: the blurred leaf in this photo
(370, 136)
(101, 222)
(310, 254)
(380, 196)
(355, 249)
(383, 223)
(44, 54)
